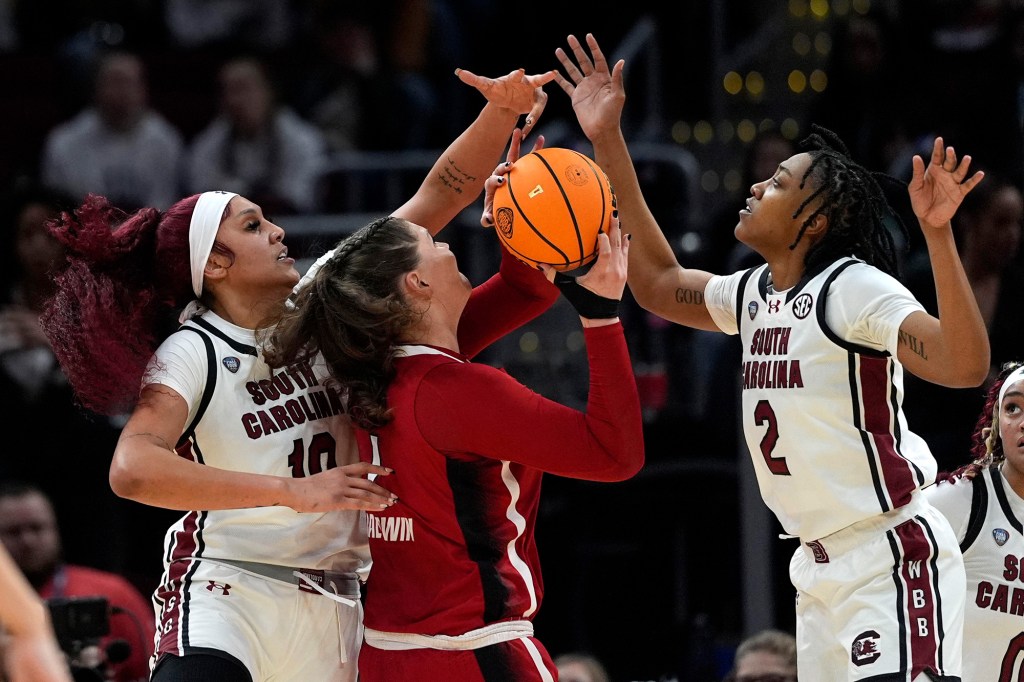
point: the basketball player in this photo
(984, 502)
(262, 573)
(456, 578)
(827, 332)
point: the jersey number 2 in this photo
(309, 461)
(764, 414)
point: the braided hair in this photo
(353, 313)
(853, 202)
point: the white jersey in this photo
(242, 417)
(986, 515)
(822, 393)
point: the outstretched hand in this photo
(498, 176)
(516, 91)
(937, 191)
(597, 93)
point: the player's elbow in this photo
(124, 480)
(970, 376)
(628, 463)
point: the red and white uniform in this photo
(456, 578)
(987, 515)
(822, 395)
(288, 423)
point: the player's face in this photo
(1011, 433)
(766, 223)
(261, 262)
(439, 269)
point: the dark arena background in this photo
(659, 576)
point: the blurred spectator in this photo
(263, 25)
(119, 146)
(988, 231)
(339, 82)
(866, 94)
(962, 52)
(55, 443)
(767, 656)
(580, 667)
(256, 146)
(394, 56)
(28, 529)
(1014, 42)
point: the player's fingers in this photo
(540, 101)
(468, 77)
(600, 63)
(971, 182)
(937, 152)
(949, 160)
(566, 85)
(549, 272)
(538, 144)
(357, 469)
(537, 80)
(961, 170)
(513, 146)
(586, 66)
(570, 67)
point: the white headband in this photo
(202, 231)
(1014, 376)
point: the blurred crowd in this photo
(146, 101)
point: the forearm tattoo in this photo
(915, 344)
(454, 177)
(690, 296)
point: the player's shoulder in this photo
(187, 338)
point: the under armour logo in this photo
(223, 587)
(773, 306)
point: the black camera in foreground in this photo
(79, 621)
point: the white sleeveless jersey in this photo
(244, 418)
(822, 416)
(986, 515)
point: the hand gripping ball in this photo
(551, 207)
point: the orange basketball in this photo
(551, 207)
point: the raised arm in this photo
(953, 349)
(658, 282)
(146, 469)
(457, 177)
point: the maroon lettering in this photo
(280, 414)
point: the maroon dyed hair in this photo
(986, 445)
(118, 295)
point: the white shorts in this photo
(275, 629)
(884, 596)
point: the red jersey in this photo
(469, 445)
(131, 617)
